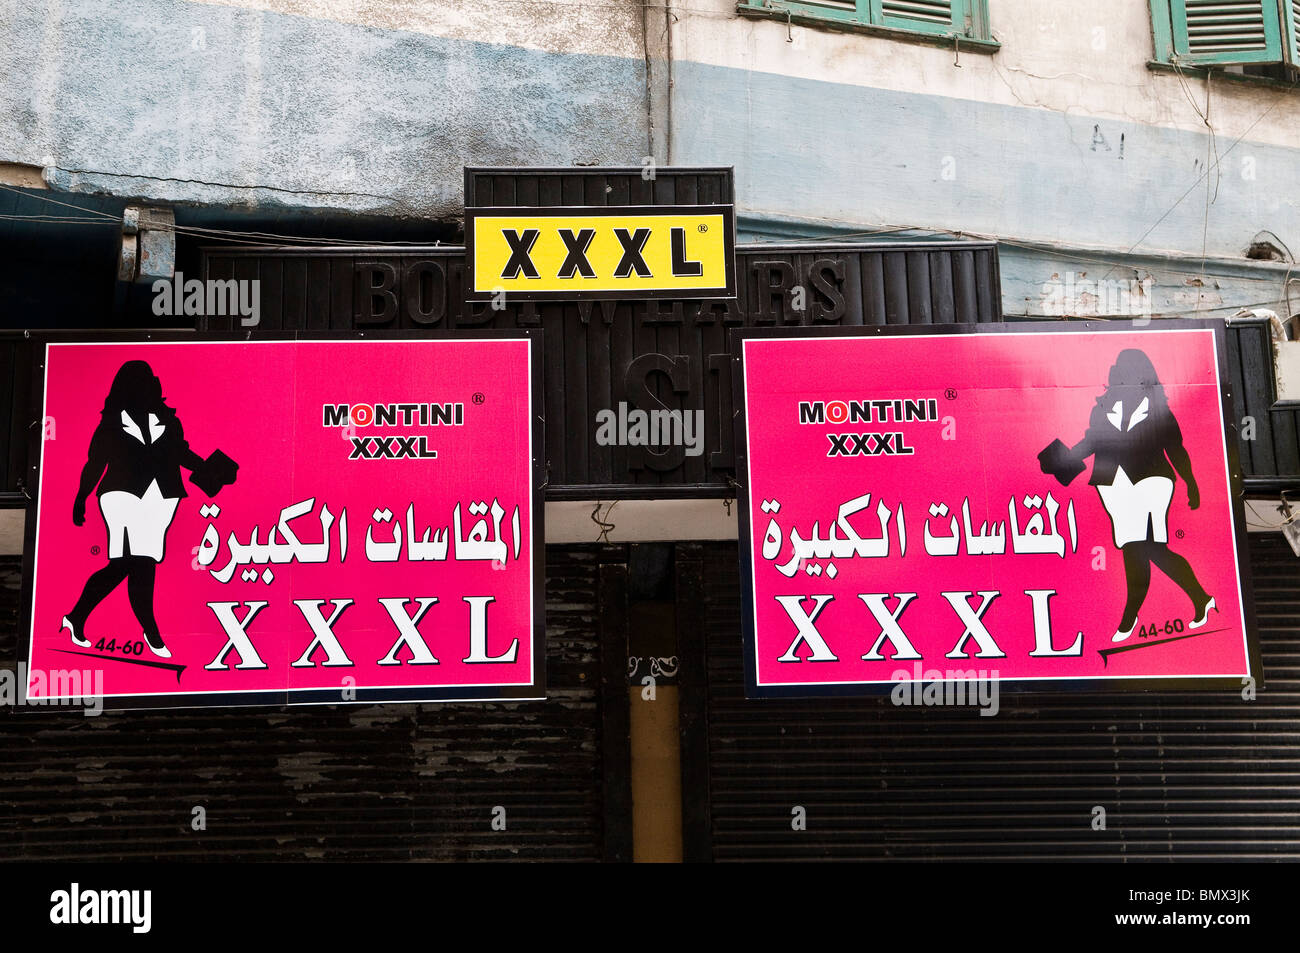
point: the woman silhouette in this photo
(135, 458)
(1133, 438)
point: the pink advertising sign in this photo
(1032, 504)
(298, 520)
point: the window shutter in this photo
(1291, 32)
(1227, 31)
(941, 18)
(945, 17)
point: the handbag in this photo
(1057, 460)
(212, 474)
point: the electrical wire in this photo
(263, 239)
(1234, 308)
(1087, 258)
(46, 198)
(1169, 211)
(203, 231)
(95, 216)
(1286, 522)
(273, 239)
(1254, 525)
(57, 219)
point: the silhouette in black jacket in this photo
(1137, 448)
(135, 460)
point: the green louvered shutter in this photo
(1227, 31)
(951, 18)
(945, 17)
(1291, 32)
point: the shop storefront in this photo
(644, 655)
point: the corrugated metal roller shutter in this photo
(348, 782)
(1181, 775)
(15, 383)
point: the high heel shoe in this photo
(1203, 615)
(72, 631)
(156, 645)
(1123, 634)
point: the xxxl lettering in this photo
(633, 253)
(867, 444)
(323, 636)
(575, 253)
(521, 250)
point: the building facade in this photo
(1093, 143)
(909, 162)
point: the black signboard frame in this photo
(727, 290)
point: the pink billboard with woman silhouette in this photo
(296, 520)
(1030, 505)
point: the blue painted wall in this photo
(817, 152)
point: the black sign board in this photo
(608, 359)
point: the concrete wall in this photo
(1063, 144)
(854, 155)
(369, 107)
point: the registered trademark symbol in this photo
(1180, 534)
(478, 398)
(950, 394)
(703, 228)
(94, 550)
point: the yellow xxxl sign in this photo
(680, 251)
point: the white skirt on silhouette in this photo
(141, 521)
(1138, 511)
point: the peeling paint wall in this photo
(367, 107)
(1087, 60)
(1063, 144)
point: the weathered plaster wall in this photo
(841, 159)
(1063, 136)
(1063, 144)
(849, 155)
(372, 107)
(605, 27)
(1084, 59)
